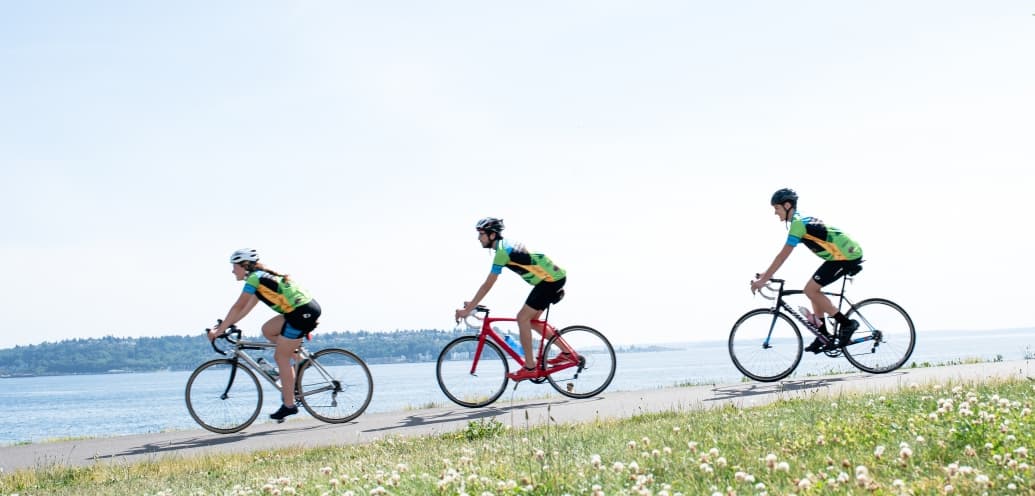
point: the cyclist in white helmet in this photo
(297, 314)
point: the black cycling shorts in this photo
(301, 321)
(546, 293)
(832, 270)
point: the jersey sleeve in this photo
(251, 283)
(796, 232)
(501, 258)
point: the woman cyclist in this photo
(297, 316)
(840, 255)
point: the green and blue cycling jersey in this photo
(534, 268)
(827, 242)
(282, 296)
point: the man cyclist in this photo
(297, 314)
(840, 254)
(546, 278)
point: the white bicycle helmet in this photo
(244, 255)
(490, 224)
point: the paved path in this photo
(307, 432)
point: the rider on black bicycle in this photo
(536, 269)
(841, 255)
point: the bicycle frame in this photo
(780, 304)
(238, 353)
(545, 330)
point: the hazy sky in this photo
(636, 143)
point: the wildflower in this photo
(618, 467)
(377, 491)
(1021, 452)
(948, 488)
(969, 451)
(325, 470)
(595, 461)
(981, 480)
(905, 453)
(770, 461)
(539, 455)
(804, 483)
(952, 469)
(693, 446)
(714, 452)
(783, 467)
(879, 451)
(634, 467)
(820, 440)
(706, 468)
(666, 450)
(898, 484)
(597, 490)
(919, 439)
(631, 445)
(675, 429)
(645, 441)
(721, 462)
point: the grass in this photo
(952, 438)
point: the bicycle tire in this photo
(462, 386)
(205, 399)
(762, 347)
(888, 336)
(595, 367)
(341, 395)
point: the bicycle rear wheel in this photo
(334, 385)
(223, 396)
(468, 378)
(585, 373)
(765, 345)
(885, 337)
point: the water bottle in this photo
(809, 316)
(267, 367)
(514, 345)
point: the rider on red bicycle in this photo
(546, 278)
(840, 255)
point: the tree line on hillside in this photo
(148, 354)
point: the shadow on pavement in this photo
(432, 418)
(186, 444)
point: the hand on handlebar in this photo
(461, 313)
(758, 283)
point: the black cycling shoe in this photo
(844, 333)
(817, 346)
(283, 412)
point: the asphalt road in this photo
(307, 432)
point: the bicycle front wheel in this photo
(470, 378)
(765, 345)
(583, 359)
(223, 396)
(885, 337)
(334, 385)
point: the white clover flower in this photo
(714, 452)
(675, 429)
(325, 470)
(631, 445)
(634, 467)
(981, 479)
(879, 451)
(666, 450)
(721, 462)
(898, 483)
(693, 446)
(905, 453)
(948, 489)
(740, 476)
(842, 478)
(783, 467)
(804, 483)
(595, 460)
(1021, 452)
(919, 439)
(861, 470)
(706, 468)
(770, 460)
(645, 441)
(618, 467)
(969, 451)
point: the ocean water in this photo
(54, 407)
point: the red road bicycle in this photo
(578, 361)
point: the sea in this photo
(49, 408)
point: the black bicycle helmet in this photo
(490, 224)
(784, 195)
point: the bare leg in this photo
(283, 354)
(524, 320)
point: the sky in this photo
(637, 144)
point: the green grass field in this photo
(952, 438)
